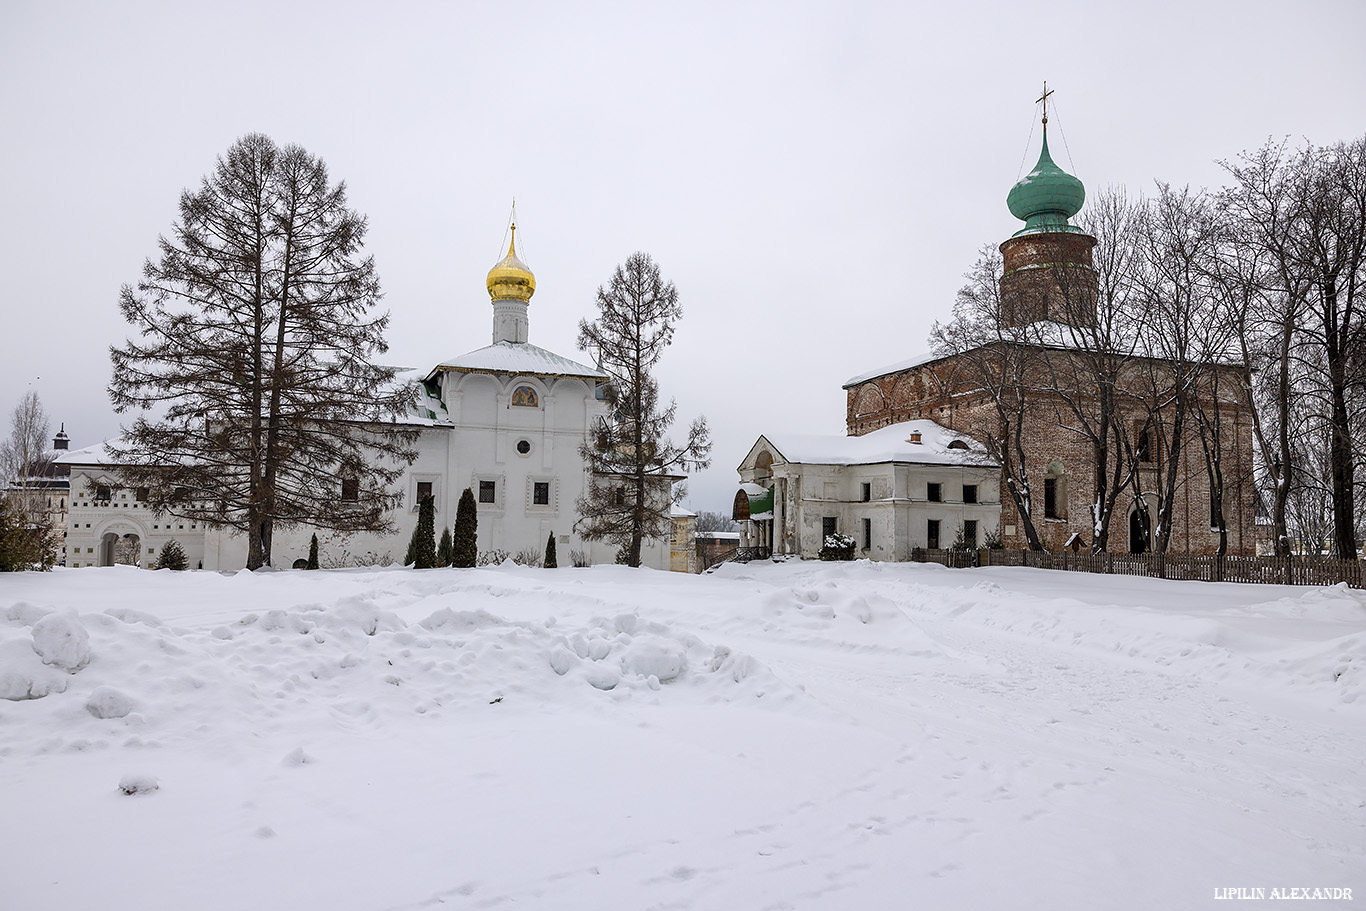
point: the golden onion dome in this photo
(511, 279)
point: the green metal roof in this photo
(1046, 197)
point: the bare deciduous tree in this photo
(1301, 217)
(715, 521)
(26, 453)
(995, 361)
(28, 537)
(1097, 344)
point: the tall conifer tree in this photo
(464, 543)
(422, 547)
(251, 359)
(632, 463)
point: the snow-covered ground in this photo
(800, 735)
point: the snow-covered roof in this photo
(889, 444)
(427, 409)
(91, 455)
(916, 361)
(518, 357)
(1041, 333)
(1047, 333)
(678, 512)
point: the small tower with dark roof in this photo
(1049, 272)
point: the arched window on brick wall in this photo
(869, 400)
(903, 393)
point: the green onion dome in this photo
(1046, 197)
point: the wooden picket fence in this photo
(1266, 570)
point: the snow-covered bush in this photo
(530, 556)
(61, 641)
(108, 702)
(837, 547)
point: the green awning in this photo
(752, 500)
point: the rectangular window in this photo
(140, 494)
(969, 493)
(1050, 498)
(828, 527)
(619, 496)
(424, 489)
(867, 534)
(101, 492)
(867, 492)
(486, 491)
(932, 534)
(350, 490)
(934, 493)
(540, 493)
(1145, 445)
(970, 532)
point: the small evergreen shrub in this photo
(445, 549)
(837, 547)
(172, 556)
(422, 547)
(464, 543)
(312, 553)
(550, 562)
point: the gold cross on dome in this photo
(1044, 100)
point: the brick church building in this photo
(1032, 386)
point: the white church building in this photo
(505, 421)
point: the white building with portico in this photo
(913, 484)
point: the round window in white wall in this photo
(524, 446)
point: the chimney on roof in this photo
(60, 441)
(915, 437)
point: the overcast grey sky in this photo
(814, 177)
